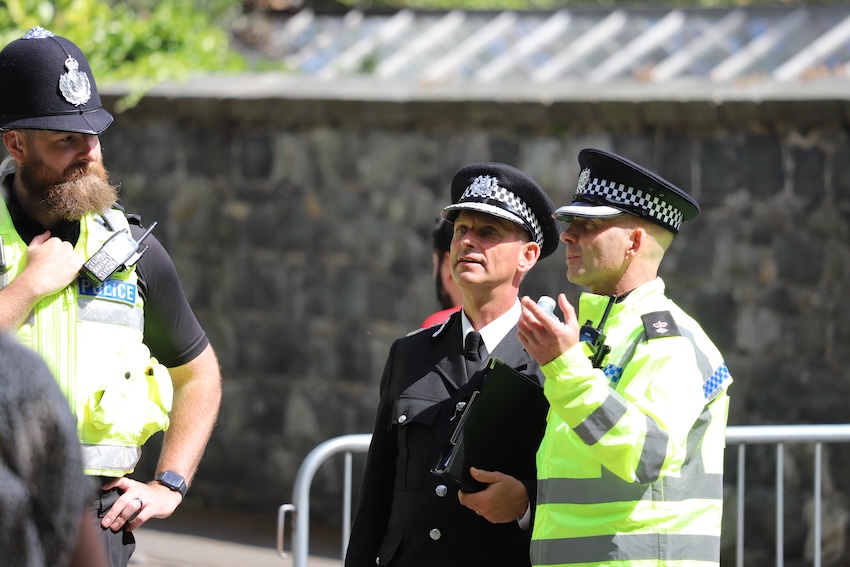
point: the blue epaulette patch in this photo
(660, 324)
(113, 290)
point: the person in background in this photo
(630, 468)
(448, 293)
(406, 515)
(124, 347)
(44, 520)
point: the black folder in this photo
(499, 430)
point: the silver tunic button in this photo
(441, 490)
(377, 561)
(402, 418)
(435, 534)
(460, 406)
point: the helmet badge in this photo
(74, 85)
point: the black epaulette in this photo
(660, 324)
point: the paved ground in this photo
(204, 539)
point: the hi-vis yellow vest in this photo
(91, 338)
(630, 469)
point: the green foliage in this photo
(138, 42)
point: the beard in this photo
(81, 189)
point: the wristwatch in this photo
(173, 481)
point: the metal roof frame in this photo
(594, 46)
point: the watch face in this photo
(173, 481)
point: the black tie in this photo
(475, 352)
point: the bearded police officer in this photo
(407, 516)
(125, 347)
(630, 467)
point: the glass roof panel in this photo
(719, 45)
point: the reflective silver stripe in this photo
(606, 416)
(703, 363)
(613, 489)
(694, 464)
(654, 451)
(105, 311)
(693, 482)
(712, 379)
(626, 547)
(602, 419)
(111, 457)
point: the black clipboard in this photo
(499, 430)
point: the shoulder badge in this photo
(660, 324)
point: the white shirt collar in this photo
(493, 332)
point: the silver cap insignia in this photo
(74, 85)
(37, 32)
(583, 180)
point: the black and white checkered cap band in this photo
(487, 191)
(619, 195)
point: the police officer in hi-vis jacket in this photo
(124, 346)
(630, 468)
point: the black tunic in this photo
(406, 515)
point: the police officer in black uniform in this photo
(406, 515)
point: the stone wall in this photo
(298, 216)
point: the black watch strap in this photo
(173, 481)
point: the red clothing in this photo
(439, 317)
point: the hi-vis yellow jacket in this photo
(630, 470)
(91, 338)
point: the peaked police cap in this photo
(47, 84)
(506, 192)
(610, 185)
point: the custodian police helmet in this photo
(47, 84)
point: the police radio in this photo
(120, 252)
(595, 338)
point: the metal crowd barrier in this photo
(301, 494)
(742, 436)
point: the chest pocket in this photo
(409, 409)
(413, 419)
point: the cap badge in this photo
(37, 32)
(583, 180)
(482, 185)
(74, 85)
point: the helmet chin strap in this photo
(7, 166)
